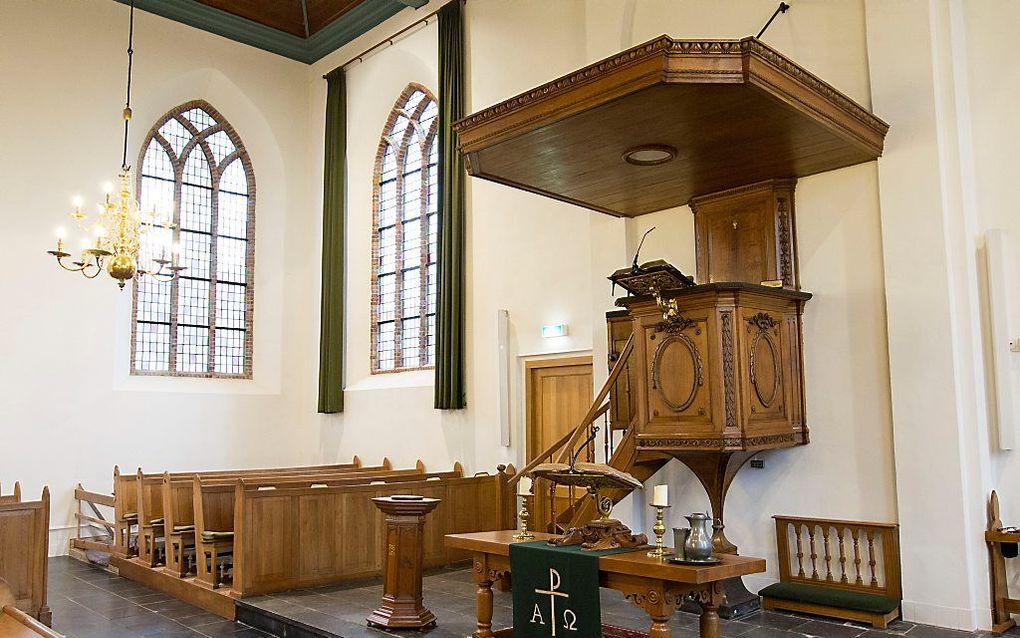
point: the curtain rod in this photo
(390, 40)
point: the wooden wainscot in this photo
(841, 569)
(24, 548)
(291, 537)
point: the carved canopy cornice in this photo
(783, 120)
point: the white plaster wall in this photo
(68, 410)
(526, 254)
(995, 132)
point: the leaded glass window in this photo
(405, 235)
(200, 324)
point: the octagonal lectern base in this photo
(402, 606)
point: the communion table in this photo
(653, 584)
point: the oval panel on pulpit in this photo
(764, 368)
(676, 371)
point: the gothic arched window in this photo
(193, 164)
(405, 231)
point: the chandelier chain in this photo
(127, 100)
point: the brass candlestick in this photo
(524, 534)
(660, 530)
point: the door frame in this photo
(571, 359)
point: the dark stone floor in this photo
(450, 594)
(88, 602)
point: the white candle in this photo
(524, 486)
(660, 496)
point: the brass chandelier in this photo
(115, 237)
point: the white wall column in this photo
(919, 85)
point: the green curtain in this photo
(450, 309)
(331, 336)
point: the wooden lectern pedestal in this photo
(402, 606)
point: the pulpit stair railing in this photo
(556, 509)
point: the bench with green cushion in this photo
(837, 568)
(831, 597)
(210, 536)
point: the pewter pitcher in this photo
(698, 545)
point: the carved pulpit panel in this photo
(679, 362)
(765, 352)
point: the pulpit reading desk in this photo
(656, 586)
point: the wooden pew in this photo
(213, 508)
(178, 508)
(15, 623)
(24, 547)
(152, 504)
(127, 490)
(291, 537)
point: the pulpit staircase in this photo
(557, 509)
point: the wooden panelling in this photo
(340, 534)
(747, 234)
(622, 409)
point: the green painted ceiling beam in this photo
(352, 24)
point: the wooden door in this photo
(559, 394)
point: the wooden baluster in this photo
(871, 556)
(814, 554)
(607, 436)
(857, 554)
(551, 523)
(842, 556)
(828, 554)
(800, 551)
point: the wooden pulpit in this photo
(402, 606)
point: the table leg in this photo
(710, 620)
(483, 609)
(660, 626)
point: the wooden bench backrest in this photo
(176, 491)
(125, 494)
(15, 497)
(216, 497)
(126, 486)
(854, 555)
(24, 546)
(292, 537)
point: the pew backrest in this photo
(213, 498)
(126, 487)
(24, 546)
